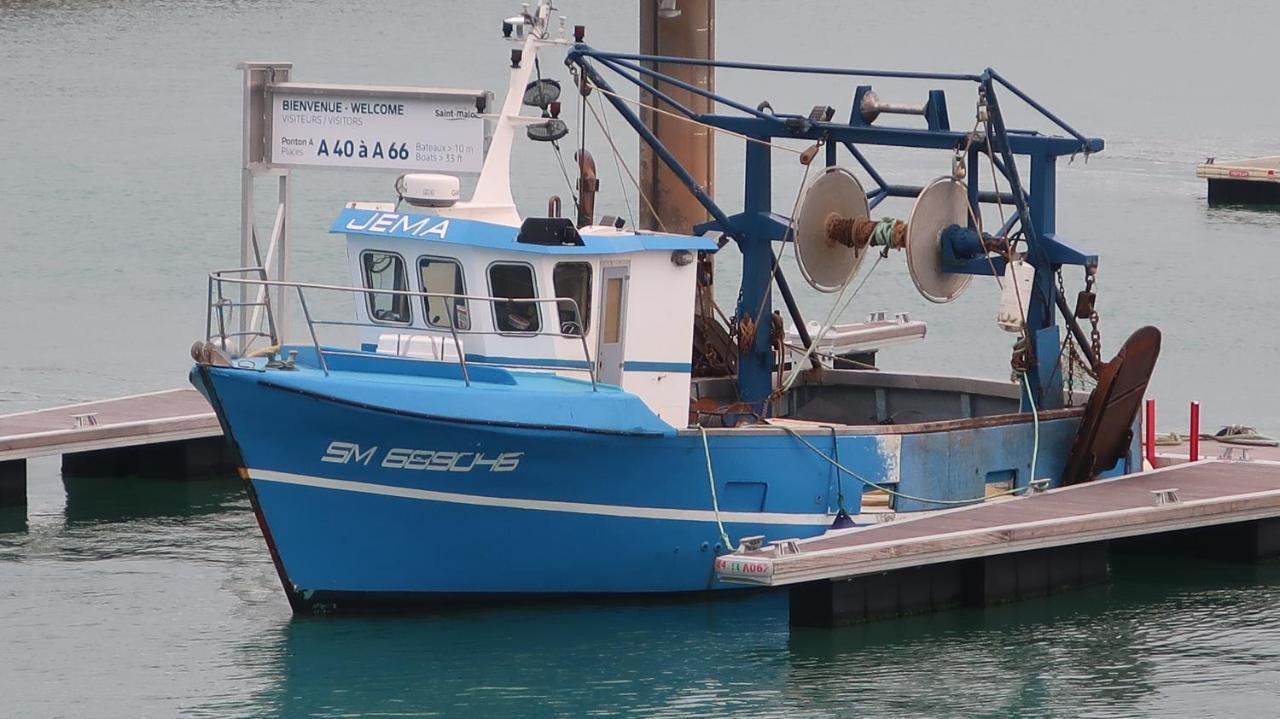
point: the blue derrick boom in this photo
(757, 227)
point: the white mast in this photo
(492, 200)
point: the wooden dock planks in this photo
(1252, 181)
(1254, 169)
(1209, 492)
(166, 416)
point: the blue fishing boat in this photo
(549, 406)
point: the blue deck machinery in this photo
(965, 249)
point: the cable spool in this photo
(944, 202)
(833, 202)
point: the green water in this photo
(119, 158)
(126, 598)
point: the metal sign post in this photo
(290, 125)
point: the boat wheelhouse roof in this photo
(474, 233)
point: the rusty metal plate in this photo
(1106, 429)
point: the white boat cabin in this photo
(620, 303)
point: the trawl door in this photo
(613, 323)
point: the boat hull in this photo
(367, 507)
(363, 506)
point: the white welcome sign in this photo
(376, 127)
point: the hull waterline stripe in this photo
(543, 505)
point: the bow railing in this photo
(235, 326)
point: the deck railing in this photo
(221, 326)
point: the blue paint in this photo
(378, 532)
(1048, 374)
(436, 389)
(755, 301)
(1035, 208)
(957, 465)
(413, 480)
(960, 245)
(473, 233)
(643, 366)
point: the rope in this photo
(691, 121)
(715, 502)
(881, 487)
(1035, 420)
(572, 193)
(840, 468)
(1009, 252)
(835, 453)
(834, 358)
(617, 157)
(882, 233)
(617, 161)
(1242, 435)
(837, 309)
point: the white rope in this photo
(1035, 442)
(837, 309)
(885, 489)
(617, 157)
(617, 161)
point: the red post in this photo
(1195, 432)
(1149, 425)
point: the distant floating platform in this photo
(1242, 182)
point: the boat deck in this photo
(168, 416)
(1207, 493)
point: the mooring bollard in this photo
(1150, 427)
(1194, 454)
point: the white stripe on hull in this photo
(542, 505)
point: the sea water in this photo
(119, 143)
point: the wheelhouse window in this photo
(514, 282)
(572, 281)
(385, 271)
(442, 275)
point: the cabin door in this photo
(613, 323)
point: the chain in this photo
(1078, 369)
(1090, 274)
(1070, 351)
